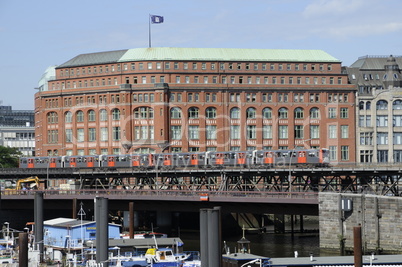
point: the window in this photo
(344, 153)
(283, 131)
(283, 113)
(299, 131)
(366, 155)
(144, 113)
(104, 134)
(210, 132)
(193, 113)
(382, 105)
(382, 138)
(314, 131)
(332, 113)
(235, 132)
(314, 113)
(251, 113)
(103, 115)
(332, 131)
(382, 121)
(397, 140)
(382, 155)
(267, 113)
(80, 116)
(116, 114)
(193, 132)
(366, 138)
(69, 135)
(235, 113)
(267, 131)
(333, 151)
(175, 113)
(92, 134)
(176, 132)
(251, 132)
(344, 113)
(80, 135)
(116, 133)
(344, 131)
(91, 115)
(397, 156)
(68, 117)
(299, 113)
(397, 104)
(397, 120)
(210, 113)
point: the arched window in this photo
(68, 117)
(116, 114)
(103, 115)
(193, 113)
(235, 113)
(397, 104)
(210, 113)
(52, 117)
(368, 105)
(267, 113)
(299, 113)
(144, 113)
(382, 105)
(314, 113)
(175, 113)
(80, 116)
(283, 113)
(251, 113)
(361, 105)
(91, 115)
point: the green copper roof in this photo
(226, 54)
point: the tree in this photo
(9, 157)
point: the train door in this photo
(167, 160)
(135, 161)
(194, 159)
(73, 162)
(52, 163)
(301, 157)
(241, 158)
(219, 158)
(90, 162)
(111, 161)
(269, 158)
(31, 163)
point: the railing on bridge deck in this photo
(179, 195)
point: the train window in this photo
(311, 154)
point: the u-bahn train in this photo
(303, 158)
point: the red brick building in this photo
(196, 99)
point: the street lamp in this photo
(290, 163)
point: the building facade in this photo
(379, 108)
(17, 129)
(196, 99)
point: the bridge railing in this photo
(202, 195)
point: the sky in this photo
(37, 34)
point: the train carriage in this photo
(40, 162)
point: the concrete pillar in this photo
(74, 215)
(204, 237)
(23, 250)
(38, 217)
(131, 219)
(279, 223)
(102, 230)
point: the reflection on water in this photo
(268, 245)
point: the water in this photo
(268, 244)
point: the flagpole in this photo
(149, 31)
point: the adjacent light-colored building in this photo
(379, 108)
(196, 99)
(17, 129)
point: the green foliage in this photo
(9, 157)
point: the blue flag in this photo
(156, 19)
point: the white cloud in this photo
(333, 7)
